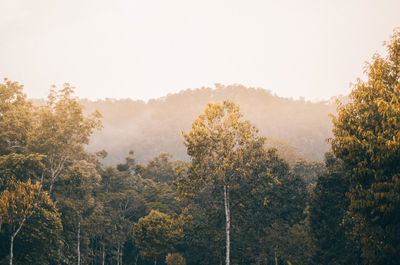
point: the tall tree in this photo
(74, 194)
(61, 132)
(217, 144)
(367, 139)
(17, 204)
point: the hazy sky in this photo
(147, 49)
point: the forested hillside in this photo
(155, 126)
(234, 200)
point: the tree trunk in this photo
(14, 235)
(11, 249)
(258, 260)
(228, 223)
(104, 255)
(136, 259)
(79, 243)
(276, 259)
(118, 255)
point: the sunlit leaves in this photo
(367, 139)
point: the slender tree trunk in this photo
(258, 260)
(136, 259)
(155, 261)
(228, 223)
(104, 255)
(11, 249)
(79, 243)
(118, 255)
(14, 235)
(276, 259)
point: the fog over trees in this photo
(155, 126)
(230, 175)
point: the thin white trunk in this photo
(104, 255)
(52, 180)
(118, 255)
(14, 235)
(11, 249)
(228, 223)
(55, 172)
(79, 243)
(136, 259)
(258, 261)
(276, 259)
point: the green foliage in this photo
(231, 182)
(21, 202)
(40, 239)
(60, 132)
(367, 139)
(162, 168)
(15, 118)
(74, 195)
(156, 234)
(22, 167)
(217, 144)
(331, 243)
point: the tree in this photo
(61, 132)
(15, 118)
(331, 241)
(156, 234)
(367, 139)
(74, 194)
(217, 144)
(40, 241)
(161, 168)
(17, 204)
(272, 212)
(23, 167)
(122, 203)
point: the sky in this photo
(150, 48)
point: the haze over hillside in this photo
(155, 126)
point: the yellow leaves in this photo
(20, 200)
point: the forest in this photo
(230, 175)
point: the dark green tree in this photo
(331, 243)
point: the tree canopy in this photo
(367, 139)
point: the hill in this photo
(155, 126)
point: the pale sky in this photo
(147, 49)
